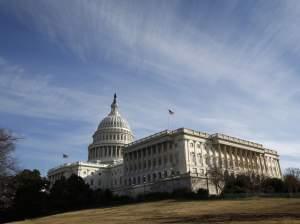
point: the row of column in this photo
(235, 159)
(103, 152)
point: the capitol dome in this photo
(110, 137)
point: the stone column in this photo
(225, 156)
(214, 156)
(220, 156)
(232, 165)
(242, 159)
(236, 163)
(261, 164)
(279, 168)
(239, 159)
(266, 165)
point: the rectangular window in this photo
(193, 157)
(200, 159)
(154, 162)
(153, 150)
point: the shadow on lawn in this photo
(230, 217)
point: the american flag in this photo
(65, 156)
(171, 112)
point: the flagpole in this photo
(170, 114)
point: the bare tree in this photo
(295, 172)
(217, 177)
(7, 146)
(7, 168)
(292, 179)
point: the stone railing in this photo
(236, 140)
(270, 151)
(65, 165)
(162, 133)
(193, 132)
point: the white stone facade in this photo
(164, 161)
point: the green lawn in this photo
(256, 210)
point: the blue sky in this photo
(223, 66)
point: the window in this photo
(153, 150)
(154, 163)
(177, 158)
(149, 164)
(135, 154)
(149, 178)
(171, 158)
(165, 146)
(139, 179)
(165, 159)
(191, 144)
(166, 173)
(154, 176)
(92, 182)
(159, 148)
(200, 159)
(149, 151)
(159, 175)
(194, 170)
(193, 157)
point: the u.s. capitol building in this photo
(165, 161)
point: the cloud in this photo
(231, 68)
(33, 95)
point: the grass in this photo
(254, 210)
